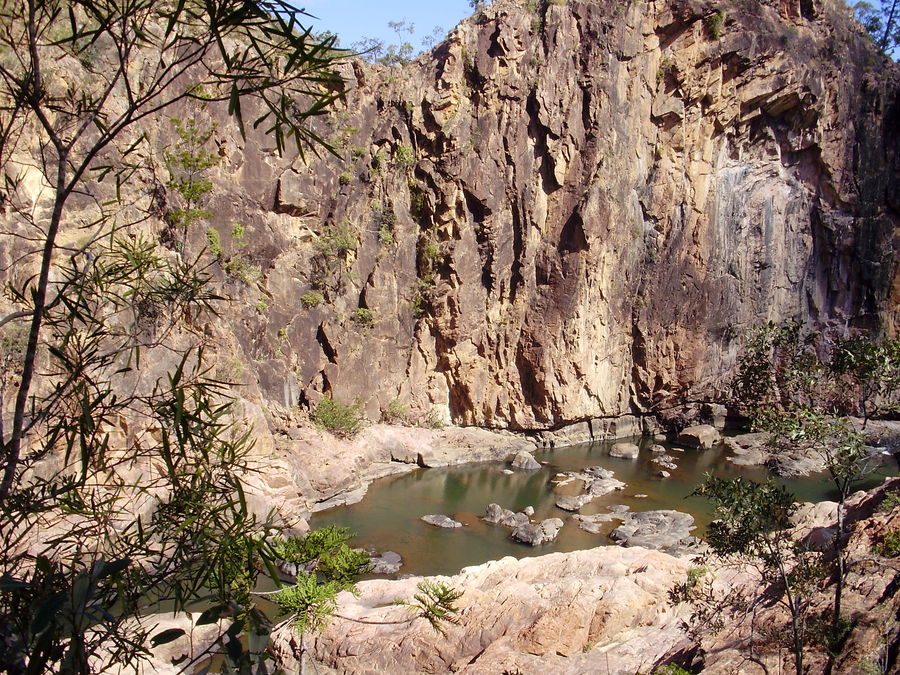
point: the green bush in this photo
(432, 420)
(404, 156)
(890, 501)
(339, 419)
(385, 236)
(312, 299)
(377, 162)
(214, 243)
(336, 241)
(364, 317)
(432, 253)
(396, 412)
(890, 545)
(240, 269)
(714, 24)
(671, 669)
(345, 178)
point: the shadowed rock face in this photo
(573, 213)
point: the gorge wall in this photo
(567, 211)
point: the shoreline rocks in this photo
(388, 562)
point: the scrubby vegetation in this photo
(338, 418)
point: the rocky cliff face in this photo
(569, 211)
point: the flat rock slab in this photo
(536, 534)
(573, 502)
(597, 482)
(699, 436)
(660, 530)
(440, 520)
(594, 523)
(624, 451)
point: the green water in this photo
(388, 517)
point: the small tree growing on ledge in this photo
(801, 388)
(750, 526)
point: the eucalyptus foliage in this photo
(121, 488)
(803, 388)
(751, 525)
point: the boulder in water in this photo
(536, 534)
(386, 563)
(440, 520)
(624, 451)
(524, 461)
(699, 436)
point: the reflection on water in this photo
(388, 517)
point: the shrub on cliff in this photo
(339, 419)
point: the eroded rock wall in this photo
(569, 212)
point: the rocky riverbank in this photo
(607, 610)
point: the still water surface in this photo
(388, 517)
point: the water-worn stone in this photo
(700, 436)
(500, 516)
(548, 604)
(624, 451)
(664, 462)
(524, 461)
(573, 502)
(536, 534)
(388, 562)
(440, 520)
(662, 530)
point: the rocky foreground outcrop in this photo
(565, 212)
(560, 613)
(607, 610)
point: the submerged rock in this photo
(665, 462)
(524, 461)
(440, 520)
(594, 523)
(536, 534)
(597, 482)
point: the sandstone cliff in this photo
(569, 211)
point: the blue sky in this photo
(356, 19)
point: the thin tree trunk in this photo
(887, 26)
